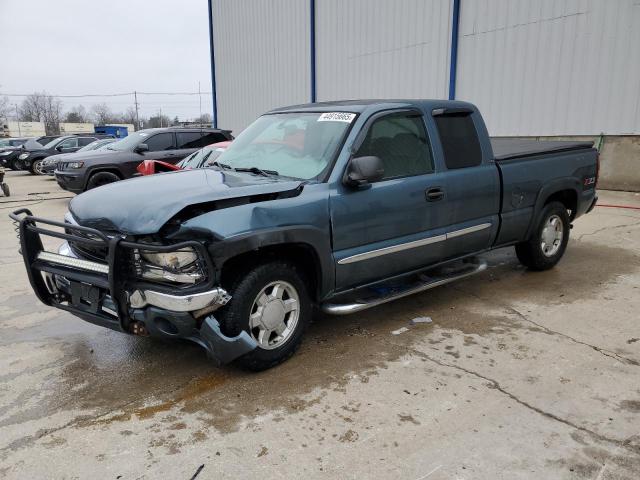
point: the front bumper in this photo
(72, 182)
(49, 168)
(103, 294)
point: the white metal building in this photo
(533, 67)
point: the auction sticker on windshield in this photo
(337, 117)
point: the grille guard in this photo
(116, 282)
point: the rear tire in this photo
(271, 303)
(549, 241)
(101, 178)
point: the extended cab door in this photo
(398, 223)
(470, 179)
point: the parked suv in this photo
(120, 159)
(31, 159)
(50, 164)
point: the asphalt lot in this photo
(520, 375)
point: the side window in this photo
(161, 141)
(213, 137)
(400, 141)
(84, 141)
(189, 139)
(69, 143)
(459, 140)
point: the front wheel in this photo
(36, 167)
(549, 240)
(271, 304)
(101, 178)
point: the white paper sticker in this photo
(337, 117)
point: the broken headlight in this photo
(181, 266)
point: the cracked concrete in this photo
(519, 375)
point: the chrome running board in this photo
(425, 281)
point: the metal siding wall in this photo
(382, 48)
(552, 67)
(262, 57)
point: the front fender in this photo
(312, 237)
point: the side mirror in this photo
(59, 148)
(363, 171)
(141, 148)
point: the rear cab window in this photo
(459, 139)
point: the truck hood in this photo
(141, 206)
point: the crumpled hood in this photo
(142, 205)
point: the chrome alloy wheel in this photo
(551, 238)
(274, 315)
(37, 167)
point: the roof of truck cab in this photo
(359, 106)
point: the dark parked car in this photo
(119, 160)
(32, 157)
(338, 205)
(9, 150)
(51, 163)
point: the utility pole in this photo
(160, 115)
(135, 99)
(17, 119)
(200, 96)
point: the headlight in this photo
(75, 164)
(181, 266)
(22, 156)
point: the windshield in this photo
(97, 145)
(298, 145)
(5, 143)
(54, 142)
(129, 142)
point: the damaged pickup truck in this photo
(337, 206)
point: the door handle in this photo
(434, 194)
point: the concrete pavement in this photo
(520, 375)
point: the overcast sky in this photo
(72, 47)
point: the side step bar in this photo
(422, 282)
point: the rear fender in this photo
(555, 186)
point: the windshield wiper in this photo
(224, 166)
(257, 171)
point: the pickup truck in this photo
(336, 206)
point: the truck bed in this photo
(511, 148)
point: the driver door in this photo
(394, 225)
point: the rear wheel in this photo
(549, 241)
(101, 178)
(271, 303)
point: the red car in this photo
(202, 158)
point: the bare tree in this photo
(130, 116)
(77, 114)
(4, 107)
(32, 108)
(102, 114)
(205, 118)
(41, 107)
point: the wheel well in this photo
(115, 171)
(302, 255)
(569, 198)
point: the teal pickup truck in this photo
(338, 206)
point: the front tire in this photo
(549, 241)
(36, 167)
(101, 178)
(271, 303)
